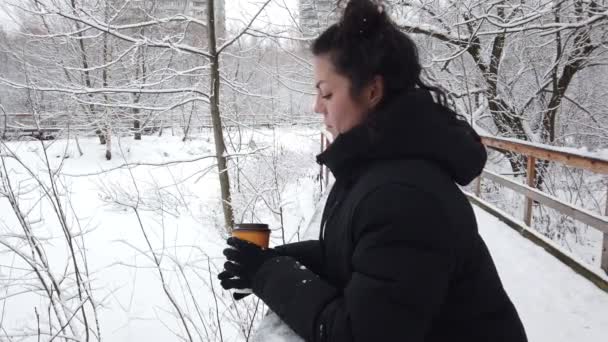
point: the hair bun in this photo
(364, 18)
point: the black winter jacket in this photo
(399, 257)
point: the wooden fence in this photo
(534, 152)
(22, 125)
(324, 170)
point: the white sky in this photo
(276, 12)
(5, 21)
(237, 12)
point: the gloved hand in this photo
(244, 260)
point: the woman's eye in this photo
(327, 97)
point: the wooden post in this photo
(326, 168)
(321, 166)
(478, 187)
(604, 263)
(605, 253)
(531, 183)
(606, 208)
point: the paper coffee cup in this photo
(257, 233)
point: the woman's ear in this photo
(376, 91)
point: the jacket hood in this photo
(410, 127)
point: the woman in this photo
(399, 256)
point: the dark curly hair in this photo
(366, 43)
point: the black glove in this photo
(244, 260)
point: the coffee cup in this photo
(257, 233)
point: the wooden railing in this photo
(323, 170)
(534, 152)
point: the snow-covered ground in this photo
(175, 187)
(554, 303)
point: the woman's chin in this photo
(331, 131)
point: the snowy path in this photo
(555, 304)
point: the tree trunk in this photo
(78, 145)
(581, 52)
(187, 129)
(508, 124)
(137, 124)
(137, 96)
(220, 147)
(108, 144)
(5, 122)
(87, 75)
(101, 135)
(104, 75)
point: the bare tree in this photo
(220, 147)
(506, 45)
(68, 300)
(149, 46)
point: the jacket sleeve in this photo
(306, 252)
(401, 267)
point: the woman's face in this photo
(340, 111)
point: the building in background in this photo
(316, 15)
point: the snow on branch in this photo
(435, 32)
(167, 163)
(107, 28)
(87, 91)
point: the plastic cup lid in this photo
(251, 226)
